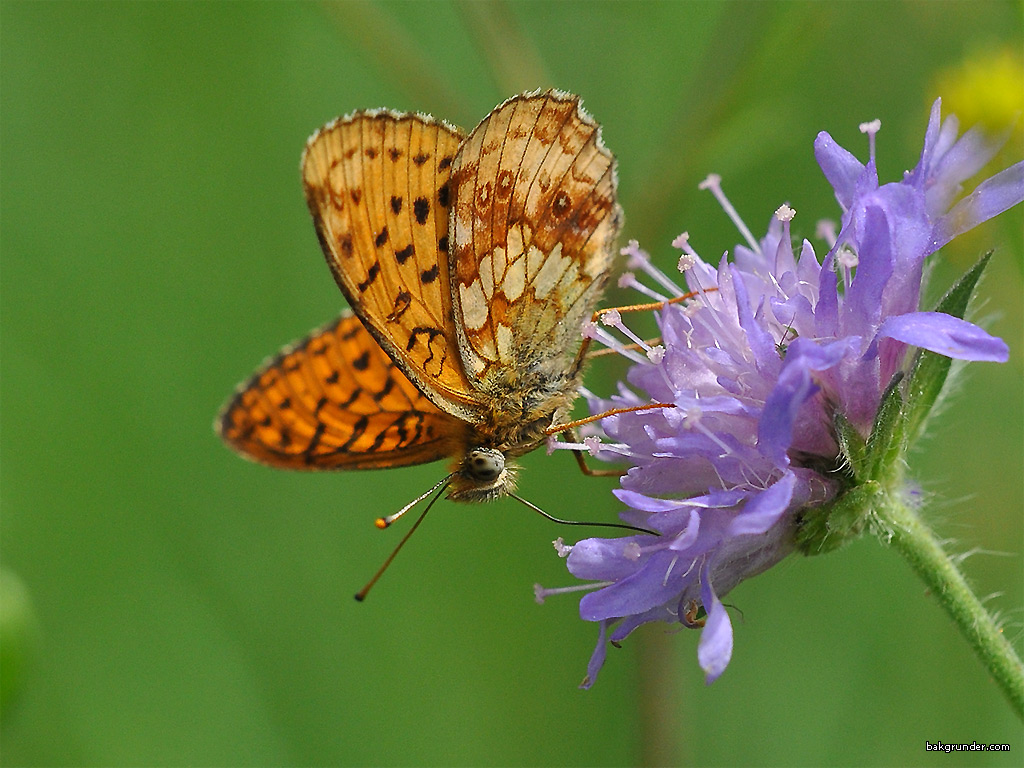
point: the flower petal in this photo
(604, 559)
(715, 648)
(792, 389)
(990, 198)
(597, 657)
(758, 339)
(840, 167)
(945, 335)
(763, 510)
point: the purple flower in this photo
(771, 350)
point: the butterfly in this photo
(470, 264)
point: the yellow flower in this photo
(986, 88)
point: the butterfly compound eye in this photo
(485, 464)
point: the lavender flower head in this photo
(773, 350)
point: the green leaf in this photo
(930, 370)
(888, 434)
(831, 526)
(851, 445)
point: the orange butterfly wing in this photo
(377, 186)
(335, 400)
(533, 227)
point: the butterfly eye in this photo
(485, 464)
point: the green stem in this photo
(912, 538)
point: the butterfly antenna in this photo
(554, 519)
(384, 522)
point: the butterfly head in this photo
(483, 474)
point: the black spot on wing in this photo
(421, 207)
(389, 384)
(358, 429)
(310, 452)
(371, 275)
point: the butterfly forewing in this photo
(376, 184)
(335, 400)
(534, 218)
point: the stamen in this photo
(554, 444)
(628, 280)
(871, 128)
(639, 259)
(784, 213)
(699, 425)
(591, 445)
(714, 183)
(692, 416)
(664, 581)
(686, 263)
(846, 259)
(593, 331)
(540, 594)
(826, 230)
(613, 319)
(632, 550)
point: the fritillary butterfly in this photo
(470, 264)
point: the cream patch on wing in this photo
(504, 341)
(551, 270)
(515, 279)
(474, 305)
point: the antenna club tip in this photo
(381, 523)
(360, 596)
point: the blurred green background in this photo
(166, 603)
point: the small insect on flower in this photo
(470, 264)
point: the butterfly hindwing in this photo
(534, 220)
(335, 400)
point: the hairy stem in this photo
(919, 546)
